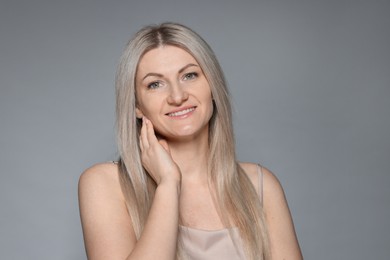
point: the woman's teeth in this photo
(182, 112)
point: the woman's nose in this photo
(177, 95)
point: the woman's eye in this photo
(191, 75)
(154, 85)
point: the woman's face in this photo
(173, 93)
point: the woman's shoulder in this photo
(251, 170)
(103, 211)
(101, 177)
(106, 170)
(284, 243)
(268, 179)
(271, 190)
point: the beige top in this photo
(214, 244)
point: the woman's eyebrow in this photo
(160, 75)
(152, 74)
(187, 66)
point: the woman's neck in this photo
(191, 157)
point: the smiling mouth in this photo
(181, 112)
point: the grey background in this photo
(311, 88)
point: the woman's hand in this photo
(156, 157)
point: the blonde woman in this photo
(177, 191)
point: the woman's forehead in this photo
(163, 58)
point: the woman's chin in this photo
(185, 135)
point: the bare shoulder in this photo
(284, 243)
(251, 170)
(272, 191)
(283, 240)
(107, 227)
(270, 183)
(101, 170)
(101, 178)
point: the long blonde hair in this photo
(234, 193)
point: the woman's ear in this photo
(138, 113)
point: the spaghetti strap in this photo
(260, 182)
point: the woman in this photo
(178, 190)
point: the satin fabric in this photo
(216, 244)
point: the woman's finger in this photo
(144, 135)
(150, 131)
(140, 144)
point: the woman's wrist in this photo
(170, 183)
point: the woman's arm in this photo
(107, 227)
(283, 240)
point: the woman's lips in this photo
(181, 112)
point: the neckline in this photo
(207, 230)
